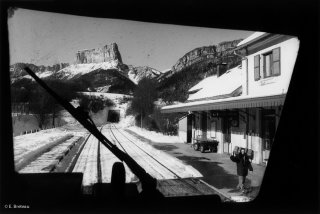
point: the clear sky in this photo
(46, 38)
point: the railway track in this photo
(95, 161)
(174, 175)
(171, 183)
(47, 160)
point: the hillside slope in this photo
(193, 67)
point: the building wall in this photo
(182, 133)
(277, 84)
(238, 137)
(252, 139)
(197, 129)
(238, 134)
(220, 136)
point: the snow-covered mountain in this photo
(100, 70)
(99, 77)
(77, 70)
(138, 73)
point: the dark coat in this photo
(243, 164)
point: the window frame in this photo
(256, 67)
(213, 132)
(272, 64)
(269, 53)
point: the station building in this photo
(242, 107)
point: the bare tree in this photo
(44, 106)
(41, 105)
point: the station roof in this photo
(253, 37)
(244, 101)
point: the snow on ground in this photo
(126, 121)
(44, 163)
(152, 160)
(181, 169)
(87, 164)
(107, 161)
(155, 136)
(25, 144)
(68, 118)
(116, 98)
(106, 95)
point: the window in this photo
(257, 67)
(271, 64)
(276, 61)
(213, 128)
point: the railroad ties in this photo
(49, 159)
(174, 177)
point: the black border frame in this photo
(291, 182)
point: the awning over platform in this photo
(227, 103)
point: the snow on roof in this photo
(216, 86)
(250, 38)
(203, 83)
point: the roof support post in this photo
(247, 128)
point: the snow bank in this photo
(155, 136)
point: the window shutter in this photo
(256, 67)
(276, 61)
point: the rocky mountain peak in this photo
(202, 54)
(140, 72)
(105, 54)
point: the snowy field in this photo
(155, 136)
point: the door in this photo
(268, 132)
(226, 134)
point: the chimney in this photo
(222, 68)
